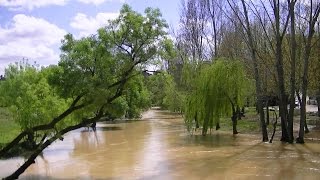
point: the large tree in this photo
(311, 17)
(30, 99)
(94, 72)
(220, 91)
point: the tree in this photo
(31, 100)
(215, 14)
(173, 99)
(220, 91)
(251, 43)
(312, 18)
(279, 28)
(137, 97)
(193, 20)
(314, 77)
(156, 84)
(279, 40)
(94, 72)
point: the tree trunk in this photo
(274, 126)
(196, 120)
(258, 83)
(234, 119)
(300, 139)
(217, 126)
(306, 129)
(318, 104)
(293, 69)
(282, 94)
(205, 127)
(30, 142)
(48, 142)
(262, 120)
(304, 87)
(33, 156)
(279, 32)
(268, 115)
(73, 107)
(312, 20)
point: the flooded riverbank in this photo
(158, 147)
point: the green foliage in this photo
(173, 99)
(103, 68)
(219, 88)
(8, 128)
(164, 92)
(189, 73)
(156, 85)
(29, 97)
(96, 76)
(137, 97)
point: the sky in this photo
(33, 29)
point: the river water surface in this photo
(158, 147)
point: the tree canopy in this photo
(220, 89)
(97, 76)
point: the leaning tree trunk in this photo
(73, 107)
(274, 126)
(47, 143)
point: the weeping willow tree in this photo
(220, 90)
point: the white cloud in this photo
(95, 2)
(17, 5)
(30, 4)
(28, 37)
(98, 2)
(89, 25)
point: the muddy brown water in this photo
(158, 147)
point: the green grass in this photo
(244, 125)
(250, 111)
(251, 122)
(8, 128)
(248, 124)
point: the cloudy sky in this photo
(33, 29)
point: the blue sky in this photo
(33, 29)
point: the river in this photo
(158, 147)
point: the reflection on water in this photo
(158, 147)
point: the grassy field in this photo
(244, 125)
(248, 124)
(8, 128)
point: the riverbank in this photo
(248, 125)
